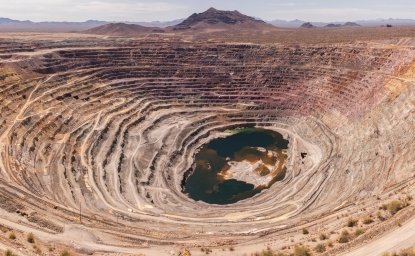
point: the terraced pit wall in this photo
(112, 125)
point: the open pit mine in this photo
(126, 146)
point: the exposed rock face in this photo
(213, 17)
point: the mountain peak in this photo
(211, 9)
(214, 17)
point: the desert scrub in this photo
(269, 252)
(320, 248)
(12, 236)
(407, 252)
(368, 220)
(65, 253)
(305, 231)
(9, 253)
(4, 229)
(31, 238)
(344, 237)
(323, 237)
(359, 232)
(301, 250)
(352, 222)
(394, 207)
(404, 252)
(37, 249)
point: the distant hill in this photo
(8, 21)
(9, 25)
(159, 24)
(287, 23)
(347, 24)
(212, 18)
(218, 19)
(122, 29)
(380, 22)
(351, 24)
(331, 25)
(363, 23)
(307, 25)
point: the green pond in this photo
(236, 167)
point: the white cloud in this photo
(127, 11)
(79, 10)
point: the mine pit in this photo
(237, 166)
(222, 145)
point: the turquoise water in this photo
(206, 185)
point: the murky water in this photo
(238, 166)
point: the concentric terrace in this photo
(98, 136)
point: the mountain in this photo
(122, 29)
(213, 18)
(294, 23)
(347, 24)
(307, 25)
(286, 23)
(363, 23)
(382, 22)
(332, 25)
(159, 24)
(9, 25)
(8, 21)
(351, 24)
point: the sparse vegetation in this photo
(206, 250)
(380, 216)
(323, 237)
(368, 220)
(407, 252)
(352, 223)
(301, 250)
(37, 249)
(320, 248)
(9, 253)
(12, 236)
(31, 238)
(269, 252)
(404, 252)
(65, 253)
(344, 237)
(359, 232)
(394, 207)
(4, 229)
(305, 231)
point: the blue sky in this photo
(164, 10)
